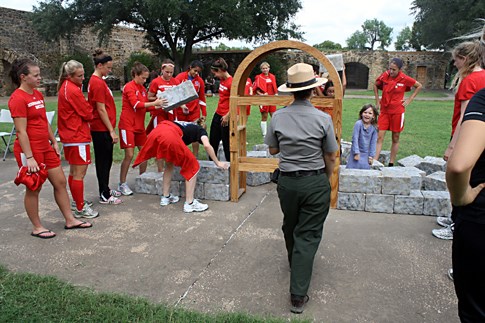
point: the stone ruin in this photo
(416, 186)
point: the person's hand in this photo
(405, 102)
(357, 157)
(32, 165)
(448, 152)
(114, 136)
(470, 195)
(55, 145)
(222, 165)
(225, 120)
(160, 103)
(185, 110)
(371, 161)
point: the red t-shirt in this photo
(196, 106)
(393, 91)
(160, 84)
(98, 91)
(74, 114)
(31, 106)
(133, 110)
(224, 94)
(470, 85)
(266, 83)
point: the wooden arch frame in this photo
(237, 131)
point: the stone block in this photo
(436, 203)
(432, 164)
(345, 151)
(416, 175)
(435, 182)
(409, 204)
(199, 192)
(174, 186)
(351, 201)
(260, 147)
(395, 182)
(380, 203)
(258, 154)
(360, 181)
(146, 182)
(220, 152)
(257, 178)
(410, 161)
(217, 192)
(384, 157)
(210, 173)
(176, 174)
(377, 165)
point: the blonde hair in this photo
(263, 64)
(68, 69)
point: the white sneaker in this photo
(87, 212)
(111, 200)
(445, 233)
(444, 221)
(124, 189)
(166, 200)
(74, 206)
(195, 206)
(450, 273)
(115, 193)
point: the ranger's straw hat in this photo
(301, 77)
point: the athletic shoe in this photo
(111, 200)
(87, 212)
(115, 193)
(298, 303)
(170, 199)
(74, 206)
(444, 233)
(124, 189)
(450, 273)
(444, 221)
(195, 206)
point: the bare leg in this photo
(125, 164)
(190, 189)
(264, 127)
(195, 149)
(78, 172)
(167, 178)
(31, 203)
(58, 181)
(160, 165)
(143, 167)
(380, 140)
(394, 146)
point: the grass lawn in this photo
(422, 94)
(34, 298)
(427, 128)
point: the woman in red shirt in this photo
(392, 105)
(468, 81)
(197, 106)
(265, 84)
(36, 145)
(74, 114)
(132, 121)
(220, 122)
(103, 125)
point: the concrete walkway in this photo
(369, 268)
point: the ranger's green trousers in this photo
(305, 202)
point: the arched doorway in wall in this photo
(357, 75)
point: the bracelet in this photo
(30, 157)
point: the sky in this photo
(321, 20)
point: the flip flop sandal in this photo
(79, 226)
(42, 235)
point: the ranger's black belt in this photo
(301, 173)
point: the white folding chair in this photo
(50, 117)
(6, 117)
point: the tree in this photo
(328, 44)
(438, 21)
(403, 40)
(172, 27)
(373, 31)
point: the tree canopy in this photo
(328, 44)
(172, 27)
(438, 21)
(373, 32)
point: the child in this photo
(364, 139)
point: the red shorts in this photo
(393, 122)
(327, 110)
(49, 158)
(78, 154)
(267, 108)
(130, 139)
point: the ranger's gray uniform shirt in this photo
(303, 134)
